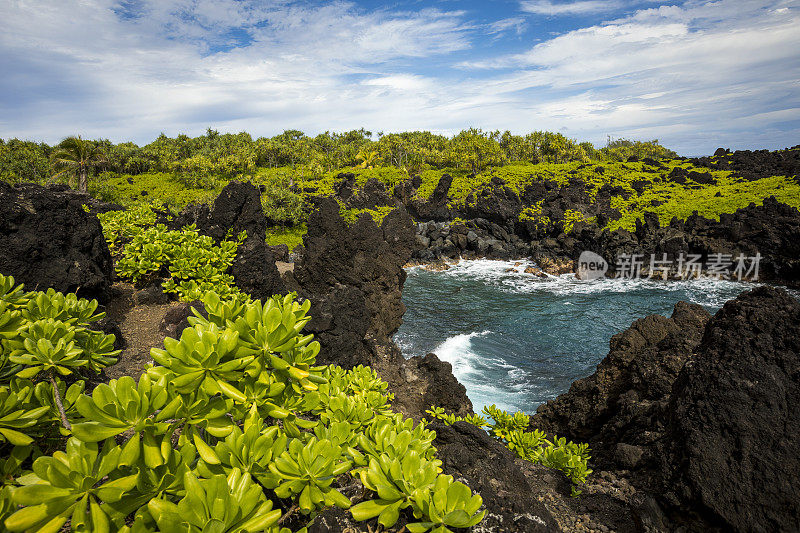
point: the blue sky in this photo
(694, 74)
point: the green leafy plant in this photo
(194, 264)
(232, 423)
(534, 446)
(224, 504)
(71, 485)
(448, 504)
(48, 333)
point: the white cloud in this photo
(724, 68)
(581, 7)
(401, 82)
(696, 76)
(499, 28)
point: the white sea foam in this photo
(495, 380)
(457, 351)
(505, 389)
(510, 276)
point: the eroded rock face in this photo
(471, 456)
(353, 276)
(771, 229)
(363, 257)
(48, 240)
(236, 209)
(496, 203)
(623, 400)
(735, 416)
(430, 381)
(254, 270)
(755, 164)
(435, 207)
(701, 413)
(372, 195)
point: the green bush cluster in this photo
(290, 236)
(668, 199)
(167, 188)
(193, 263)
(533, 446)
(120, 227)
(622, 149)
(233, 429)
(47, 349)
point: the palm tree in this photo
(75, 156)
(368, 159)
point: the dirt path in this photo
(140, 327)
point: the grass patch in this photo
(153, 187)
(290, 236)
(682, 200)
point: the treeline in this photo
(229, 155)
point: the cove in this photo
(516, 340)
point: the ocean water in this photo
(516, 340)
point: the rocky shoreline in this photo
(693, 419)
(491, 223)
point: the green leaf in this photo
(94, 431)
(205, 451)
(15, 437)
(368, 509)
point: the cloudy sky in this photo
(694, 74)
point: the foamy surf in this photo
(488, 380)
(517, 340)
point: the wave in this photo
(488, 379)
(516, 363)
(457, 351)
(510, 277)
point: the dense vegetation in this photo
(292, 167)
(197, 161)
(289, 166)
(233, 426)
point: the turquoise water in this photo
(516, 340)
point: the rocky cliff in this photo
(700, 412)
(48, 239)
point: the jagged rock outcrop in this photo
(435, 207)
(254, 270)
(475, 238)
(734, 416)
(622, 402)
(495, 202)
(236, 209)
(701, 413)
(353, 276)
(405, 191)
(372, 195)
(430, 381)
(345, 188)
(47, 239)
(771, 229)
(365, 257)
(176, 319)
(753, 165)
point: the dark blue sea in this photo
(516, 340)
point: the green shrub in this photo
(533, 446)
(119, 227)
(290, 236)
(194, 264)
(234, 427)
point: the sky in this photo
(694, 74)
